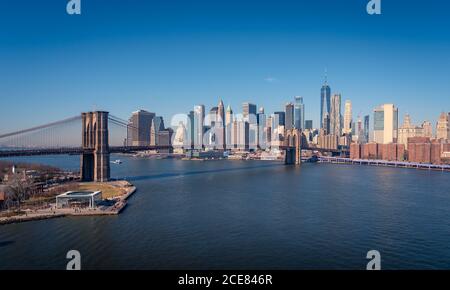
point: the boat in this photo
(117, 161)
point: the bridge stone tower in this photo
(95, 158)
(293, 145)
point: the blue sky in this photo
(167, 56)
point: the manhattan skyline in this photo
(164, 58)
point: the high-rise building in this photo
(261, 121)
(360, 129)
(228, 127)
(220, 126)
(325, 100)
(335, 115)
(289, 115)
(140, 123)
(199, 119)
(248, 109)
(408, 130)
(385, 126)
(348, 117)
(156, 127)
(269, 128)
(279, 119)
(299, 113)
(443, 127)
(366, 128)
(427, 129)
(309, 124)
(191, 130)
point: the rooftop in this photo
(79, 193)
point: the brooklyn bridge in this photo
(101, 135)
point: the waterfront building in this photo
(335, 115)
(374, 151)
(289, 115)
(425, 150)
(139, 128)
(165, 139)
(328, 141)
(443, 127)
(299, 113)
(325, 100)
(385, 124)
(309, 124)
(348, 119)
(79, 199)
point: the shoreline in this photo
(51, 212)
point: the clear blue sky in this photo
(167, 56)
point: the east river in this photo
(248, 215)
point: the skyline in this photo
(157, 57)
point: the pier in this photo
(385, 163)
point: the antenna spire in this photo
(326, 76)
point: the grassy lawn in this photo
(108, 191)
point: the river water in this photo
(248, 215)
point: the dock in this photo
(385, 163)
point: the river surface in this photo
(248, 215)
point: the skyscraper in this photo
(443, 127)
(248, 109)
(309, 124)
(289, 115)
(156, 127)
(199, 119)
(220, 126)
(299, 113)
(366, 128)
(408, 130)
(279, 119)
(228, 127)
(360, 128)
(335, 115)
(385, 126)
(427, 129)
(348, 117)
(261, 120)
(325, 95)
(191, 135)
(140, 123)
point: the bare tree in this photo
(19, 189)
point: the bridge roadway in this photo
(74, 151)
(112, 149)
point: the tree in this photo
(19, 189)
